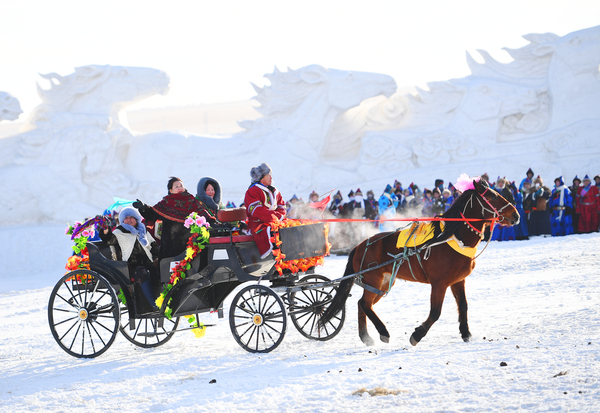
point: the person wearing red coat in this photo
(588, 206)
(264, 206)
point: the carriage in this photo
(88, 307)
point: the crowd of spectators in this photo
(562, 210)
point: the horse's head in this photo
(495, 206)
(347, 89)
(338, 88)
(10, 109)
(97, 90)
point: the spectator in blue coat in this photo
(561, 205)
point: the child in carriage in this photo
(135, 246)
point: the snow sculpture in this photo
(298, 107)
(71, 155)
(10, 109)
(547, 97)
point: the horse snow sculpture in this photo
(75, 144)
(547, 97)
(10, 109)
(298, 109)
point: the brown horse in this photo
(435, 262)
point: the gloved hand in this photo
(138, 204)
(101, 222)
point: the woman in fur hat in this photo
(265, 206)
(172, 211)
(589, 206)
(137, 247)
(209, 195)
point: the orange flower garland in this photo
(295, 265)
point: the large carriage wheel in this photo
(257, 319)
(83, 313)
(308, 306)
(147, 332)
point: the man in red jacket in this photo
(265, 206)
(588, 206)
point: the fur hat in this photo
(338, 195)
(260, 172)
(576, 179)
(485, 177)
(538, 180)
(529, 171)
(358, 192)
(130, 212)
(560, 179)
(313, 193)
(351, 193)
(586, 178)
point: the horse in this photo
(435, 262)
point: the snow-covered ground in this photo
(533, 305)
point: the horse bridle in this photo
(495, 212)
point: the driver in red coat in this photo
(265, 206)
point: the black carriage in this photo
(87, 308)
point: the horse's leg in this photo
(438, 291)
(366, 304)
(362, 323)
(458, 290)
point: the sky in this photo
(212, 50)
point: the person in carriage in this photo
(265, 206)
(172, 210)
(137, 247)
(209, 196)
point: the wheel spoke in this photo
(64, 321)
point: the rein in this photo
(399, 259)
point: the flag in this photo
(322, 204)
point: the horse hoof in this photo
(413, 341)
(466, 339)
(367, 340)
(384, 339)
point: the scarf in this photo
(139, 232)
(176, 207)
(561, 201)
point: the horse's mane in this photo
(450, 227)
(64, 89)
(287, 90)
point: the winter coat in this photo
(588, 208)
(264, 206)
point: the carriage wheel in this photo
(257, 319)
(147, 332)
(83, 313)
(308, 306)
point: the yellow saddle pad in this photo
(418, 236)
(424, 232)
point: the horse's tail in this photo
(342, 293)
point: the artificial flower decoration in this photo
(198, 240)
(303, 264)
(80, 260)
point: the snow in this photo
(533, 305)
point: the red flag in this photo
(320, 205)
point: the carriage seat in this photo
(231, 214)
(234, 239)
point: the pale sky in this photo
(212, 50)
